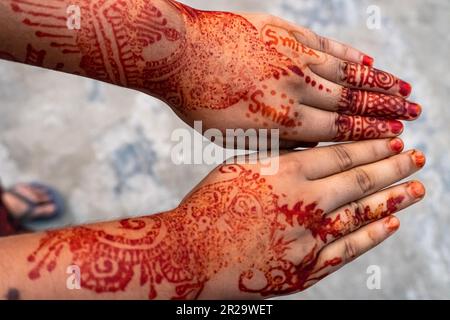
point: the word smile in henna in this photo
(277, 36)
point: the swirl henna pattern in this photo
(359, 75)
(239, 223)
(119, 56)
(200, 61)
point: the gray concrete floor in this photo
(108, 149)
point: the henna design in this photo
(33, 56)
(238, 223)
(358, 75)
(117, 34)
(282, 115)
(278, 36)
(359, 102)
(361, 128)
(286, 43)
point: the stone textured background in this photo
(108, 149)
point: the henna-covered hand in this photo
(243, 235)
(228, 70)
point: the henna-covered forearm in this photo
(116, 41)
(234, 234)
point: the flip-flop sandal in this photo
(55, 198)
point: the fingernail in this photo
(396, 145)
(405, 88)
(367, 61)
(392, 224)
(416, 189)
(414, 110)
(396, 126)
(419, 158)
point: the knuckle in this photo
(364, 181)
(357, 213)
(343, 157)
(400, 168)
(378, 148)
(333, 126)
(322, 43)
(341, 71)
(350, 249)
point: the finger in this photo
(359, 102)
(325, 161)
(352, 128)
(326, 95)
(348, 248)
(375, 207)
(292, 144)
(320, 125)
(359, 76)
(356, 183)
(326, 45)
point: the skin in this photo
(238, 234)
(229, 70)
(17, 208)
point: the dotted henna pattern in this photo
(116, 34)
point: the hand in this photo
(238, 234)
(231, 71)
(258, 71)
(257, 236)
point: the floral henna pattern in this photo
(358, 102)
(239, 223)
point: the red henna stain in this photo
(361, 128)
(405, 88)
(419, 158)
(416, 189)
(396, 145)
(280, 115)
(414, 110)
(358, 75)
(367, 61)
(396, 126)
(296, 70)
(392, 224)
(278, 37)
(116, 35)
(159, 250)
(360, 102)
